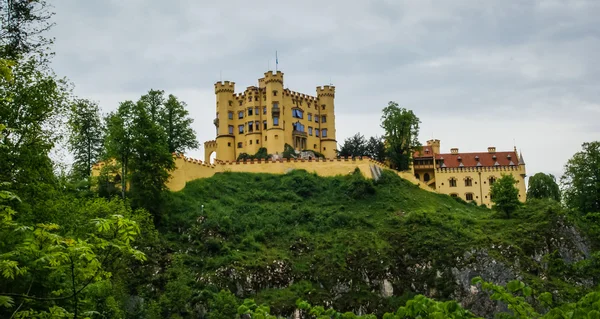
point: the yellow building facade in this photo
(270, 116)
(467, 175)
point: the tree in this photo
(22, 24)
(354, 146)
(151, 160)
(401, 135)
(86, 136)
(505, 195)
(177, 125)
(375, 148)
(581, 180)
(543, 186)
(31, 107)
(119, 139)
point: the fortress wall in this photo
(330, 167)
(187, 169)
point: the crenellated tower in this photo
(274, 139)
(225, 138)
(326, 125)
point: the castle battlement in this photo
(210, 144)
(478, 169)
(224, 86)
(326, 90)
(271, 76)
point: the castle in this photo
(467, 175)
(269, 116)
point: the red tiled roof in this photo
(485, 158)
(425, 152)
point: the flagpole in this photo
(276, 61)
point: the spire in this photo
(521, 161)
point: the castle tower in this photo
(225, 138)
(326, 125)
(435, 146)
(274, 139)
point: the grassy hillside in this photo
(356, 244)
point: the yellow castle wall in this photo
(190, 169)
(480, 186)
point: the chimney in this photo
(492, 149)
(454, 150)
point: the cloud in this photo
(477, 73)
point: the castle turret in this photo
(223, 121)
(326, 125)
(435, 146)
(274, 137)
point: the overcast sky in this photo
(477, 73)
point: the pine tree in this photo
(86, 136)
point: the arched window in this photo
(417, 176)
(492, 180)
(454, 195)
(468, 181)
(426, 177)
(452, 182)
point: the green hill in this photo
(355, 244)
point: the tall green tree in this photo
(151, 160)
(154, 102)
(375, 148)
(543, 186)
(354, 146)
(175, 120)
(120, 138)
(505, 195)
(581, 180)
(22, 27)
(401, 135)
(31, 108)
(86, 136)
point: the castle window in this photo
(264, 125)
(250, 127)
(250, 142)
(310, 131)
(426, 178)
(317, 132)
(230, 129)
(264, 97)
(454, 195)
(256, 111)
(309, 116)
(257, 141)
(323, 106)
(240, 114)
(417, 176)
(249, 111)
(241, 129)
(249, 99)
(265, 138)
(324, 132)
(453, 182)
(315, 146)
(230, 103)
(469, 196)
(230, 115)
(298, 126)
(241, 101)
(240, 145)
(316, 119)
(264, 110)
(297, 114)
(492, 179)
(275, 120)
(468, 181)
(229, 144)
(257, 125)
(323, 119)
(275, 93)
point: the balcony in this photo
(299, 133)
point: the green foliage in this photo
(354, 146)
(22, 24)
(175, 120)
(376, 148)
(288, 151)
(223, 305)
(401, 135)
(86, 136)
(260, 154)
(543, 186)
(119, 139)
(581, 180)
(505, 195)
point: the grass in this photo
(277, 238)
